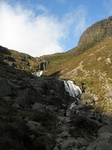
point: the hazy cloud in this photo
(42, 8)
(108, 5)
(80, 21)
(76, 21)
(21, 29)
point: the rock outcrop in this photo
(95, 33)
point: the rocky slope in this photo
(32, 116)
(32, 109)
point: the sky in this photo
(42, 27)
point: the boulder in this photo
(106, 128)
(104, 140)
(101, 143)
(28, 96)
(38, 106)
(15, 105)
(33, 125)
(55, 148)
(87, 99)
(69, 144)
(82, 141)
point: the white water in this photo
(73, 90)
(39, 73)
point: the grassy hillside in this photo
(92, 68)
(15, 64)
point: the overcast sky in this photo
(40, 27)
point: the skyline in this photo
(41, 27)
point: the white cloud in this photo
(21, 29)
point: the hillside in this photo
(39, 113)
(89, 63)
(15, 64)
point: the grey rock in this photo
(64, 134)
(82, 141)
(28, 96)
(33, 125)
(104, 140)
(101, 143)
(106, 128)
(69, 144)
(59, 140)
(55, 148)
(106, 120)
(89, 38)
(105, 134)
(5, 88)
(38, 106)
(15, 105)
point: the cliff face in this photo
(95, 33)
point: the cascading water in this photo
(73, 90)
(39, 73)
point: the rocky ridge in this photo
(95, 33)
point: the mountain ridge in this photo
(87, 63)
(35, 112)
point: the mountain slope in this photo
(15, 64)
(90, 63)
(34, 111)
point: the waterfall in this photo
(39, 73)
(73, 90)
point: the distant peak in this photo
(95, 33)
